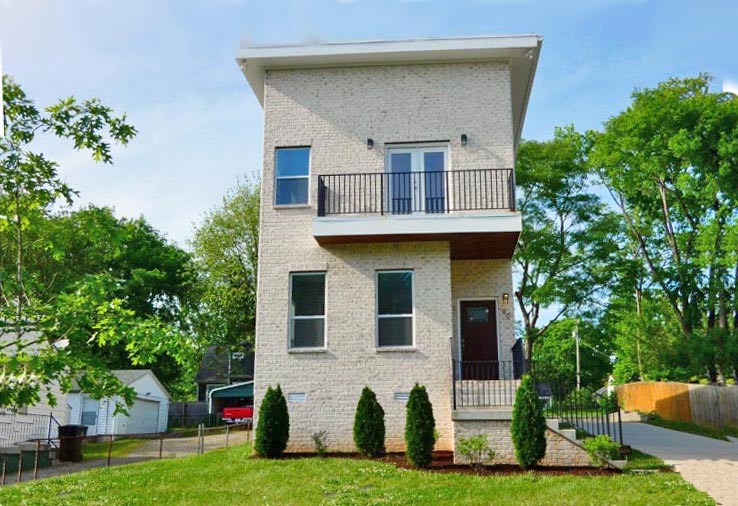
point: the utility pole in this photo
(575, 335)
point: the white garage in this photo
(147, 415)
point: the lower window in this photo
(307, 310)
(394, 308)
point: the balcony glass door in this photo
(416, 179)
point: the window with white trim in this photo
(307, 310)
(394, 308)
(292, 176)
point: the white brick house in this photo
(388, 225)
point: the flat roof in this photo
(521, 51)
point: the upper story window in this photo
(394, 308)
(307, 310)
(292, 176)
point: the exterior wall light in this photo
(464, 139)
(505, 299)
(369, 143)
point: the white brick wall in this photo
(559, 450)
(334, 111)
(485, 279)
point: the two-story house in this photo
(388, 224)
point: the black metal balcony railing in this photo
(416, 192)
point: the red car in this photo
(238, 415)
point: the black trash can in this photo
(70, 442)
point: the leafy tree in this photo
(419, 427)
(528, 427)
(566, 242)
(670, 163)
(154, 277)
(273, 426)
(226, 247)
(49, 336)
(555, 355)
(369, 425)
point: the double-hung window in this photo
(394, 308)
(307, 310)
(292, 176)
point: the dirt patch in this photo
(443, 462)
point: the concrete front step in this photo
(482, 413)
(568, 433)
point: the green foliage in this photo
(475, 450)
(669, 163)
(567, 236)
(582, 397)
(555, 354)
(601, 449)
(637, 460)
(64, 310)
(321, 448)
(273, 426)
(154, 278)
(226, 246)
(419, 427)
(528, 425)
(369, 425)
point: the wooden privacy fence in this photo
(713, 405)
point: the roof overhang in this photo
(521, 51)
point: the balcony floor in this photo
(471, 236)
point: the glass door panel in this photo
(400, 181)
(417, 180)
(434, 180)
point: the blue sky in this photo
(170, 66)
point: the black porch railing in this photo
(486, 383)
(591, 412)
(429, 192)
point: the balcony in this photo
(472, 209)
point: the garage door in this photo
(143, 417)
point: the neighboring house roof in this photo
(245, 389)
(520, 50)
(129, 377)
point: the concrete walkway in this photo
(709, 464)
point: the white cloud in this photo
(730, 86)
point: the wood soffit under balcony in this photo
(468, 246)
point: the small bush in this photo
(319, 441)
(601, 449)
(273, 428)
(528, 425)
(608, 401)
(369, 425)
(581, 397)
(419, 427)
(476, 450)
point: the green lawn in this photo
(693, 428)
(638, 460)
(121, 448)
(230, 477)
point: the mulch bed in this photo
(443, 462)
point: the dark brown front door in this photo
(479, 340)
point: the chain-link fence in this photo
(41, 458)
